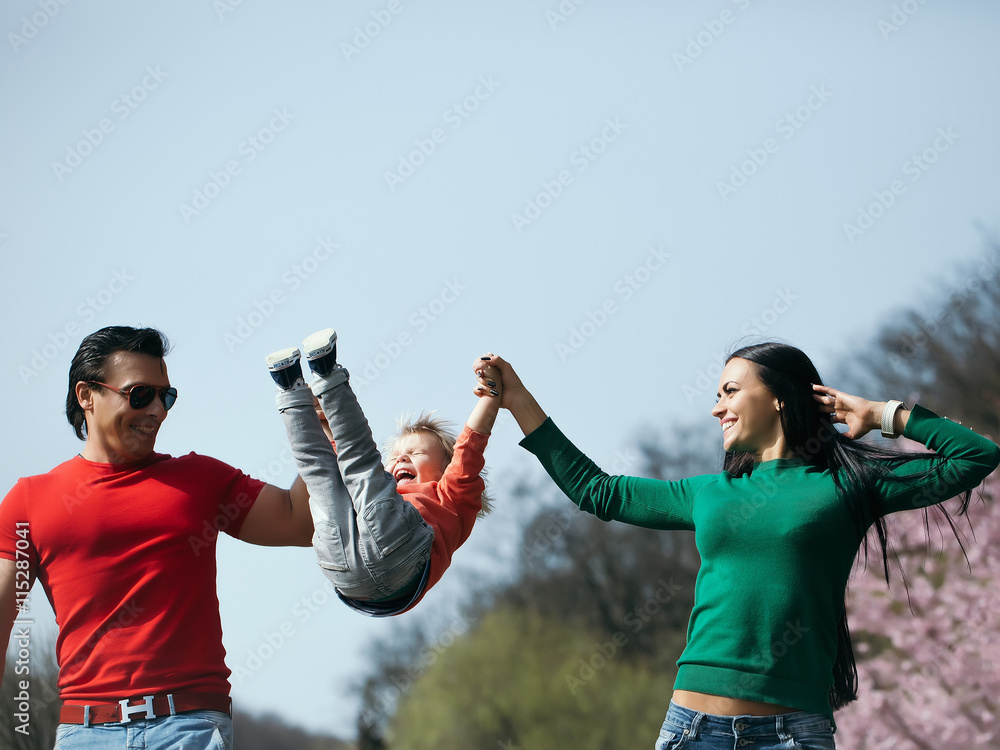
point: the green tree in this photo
(522, 680)
(945, 352)
(29, 682)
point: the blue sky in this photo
(609, 197)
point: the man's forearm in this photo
(301, 514)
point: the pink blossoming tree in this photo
(929, 659)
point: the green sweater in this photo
(777, 547)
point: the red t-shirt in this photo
(126, 554)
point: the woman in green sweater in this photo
(768, 656)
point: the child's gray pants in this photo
(369, 540)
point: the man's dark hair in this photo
(90, 361)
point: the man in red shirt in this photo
(123, 541)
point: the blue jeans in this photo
(684, 728)
(194, 730)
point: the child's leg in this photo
(395, 540)
(336, 528)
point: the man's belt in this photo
(146, 707)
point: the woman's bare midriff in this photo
(720, 705)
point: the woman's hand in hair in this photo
(859, 414)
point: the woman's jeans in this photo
(684, 728)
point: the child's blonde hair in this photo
(443, 431)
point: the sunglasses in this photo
(141, 396)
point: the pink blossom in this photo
(930, 677)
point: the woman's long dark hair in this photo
(855, 467)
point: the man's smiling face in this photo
(117, 433)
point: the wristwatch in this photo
(889, 418)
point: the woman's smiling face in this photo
(747, 411)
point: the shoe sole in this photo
(282, 358)
(320, 343)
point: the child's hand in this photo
(490, 392)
